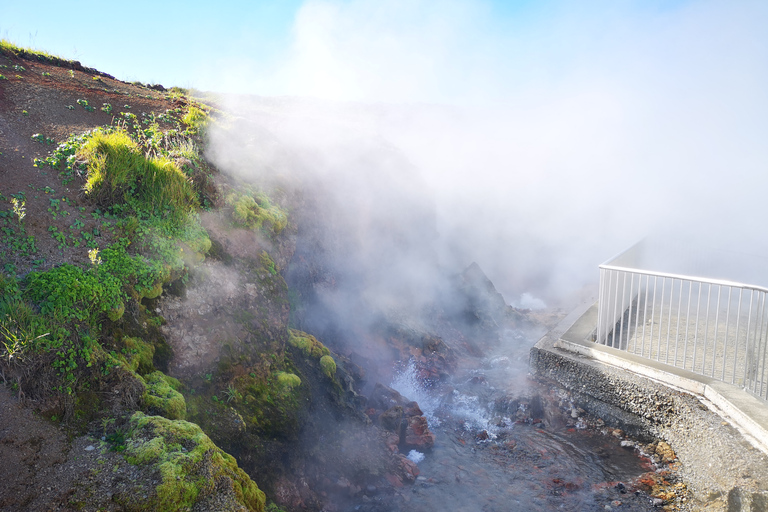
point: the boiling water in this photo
(486, 459)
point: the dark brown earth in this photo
(33, 101)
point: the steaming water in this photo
(485, 460)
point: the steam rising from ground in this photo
(546, 138)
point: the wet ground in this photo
(505, 442)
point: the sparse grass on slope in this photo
(9, 48)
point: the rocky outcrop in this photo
(403, 417)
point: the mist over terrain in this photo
(542, 149)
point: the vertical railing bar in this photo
(696, 329)
(752, 346)
(645, 313)
(749, 346)
(763, 346)
(661, 317)
(653, 317)
(717, 324)
(736, 348)
(614, 294)
(637, 311)
(629, 308)
(727, 322)
(669, 319)
(623, 298)
(758, 341)
(677, 327)
(600, 305)
(706, 330)
(687, 324)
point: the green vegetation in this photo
(196, 120)
(308, 344)
(162, 396)
(287, 381)
(328, 365)
(270, 403)
(254, 210)
(189, 464)
(82, 339)
(119, 173)
(64, 307)
(137, 355)
(8, 48)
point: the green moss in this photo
(288, 381)
(307, 343)
(116, 313)
(254, 210)
(154, 292)
(268, 263)
(163, 398)
(328, 366)
(139, 354)
(191, 466)
(271, 403)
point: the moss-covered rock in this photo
(287, 381)
(162, 398)
(154, 292)
(192, 468)
(254, 210)
(328, 365)
(116, 313)
(138, 355)
(307, 343)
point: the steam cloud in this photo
(545, 140)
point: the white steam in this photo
(551, 138)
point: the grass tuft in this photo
(118, 172)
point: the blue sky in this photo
(327, 48)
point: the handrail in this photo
(719, 282)
(713, 327)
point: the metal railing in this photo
(711, 327)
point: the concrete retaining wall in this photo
(720, 453)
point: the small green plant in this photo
(106, 107)
(232, 394)
(45, 73)
(58, 236)
(15, 341)
(19, 68)
(72, 73)
(24, 112)
(70, 107)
